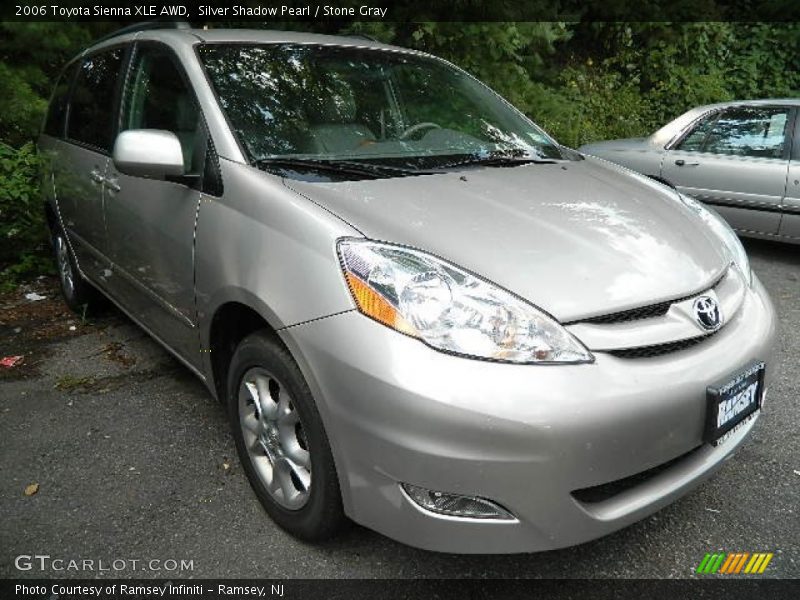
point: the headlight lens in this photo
(724, 232)
(449, 309)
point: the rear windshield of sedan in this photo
(331, 102)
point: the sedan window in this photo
(745, 131)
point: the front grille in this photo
(643, 312)
(605, 491)
(634, 314)
(659, 349)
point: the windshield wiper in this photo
(351, 167)
(499, 160)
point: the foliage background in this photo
(581, 81)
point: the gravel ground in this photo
(133, 460)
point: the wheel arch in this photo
(230, 323)
(235, 319)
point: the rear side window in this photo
(91, 112)
(57, 112)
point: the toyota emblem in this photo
(707, 313)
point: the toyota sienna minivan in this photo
(420, 311)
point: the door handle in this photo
(96, 176)
(682, 163)
(112, 185)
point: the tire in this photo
(281, 441)
(79, 294)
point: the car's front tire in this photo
(281, 441)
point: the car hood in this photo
(577, 239)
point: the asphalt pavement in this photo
(111, 451)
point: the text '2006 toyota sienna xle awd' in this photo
(419, 310)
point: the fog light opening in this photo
(456, 505)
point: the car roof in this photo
(272, 36)
(191, 36)
(760, 102)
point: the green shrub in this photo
(594, 103)
(24, 250)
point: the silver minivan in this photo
(419, 310)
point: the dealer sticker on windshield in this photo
(734, 402)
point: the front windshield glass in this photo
(309, 102)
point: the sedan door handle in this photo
(112, 185)
(682, 163)
(96, 176)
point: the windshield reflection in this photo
(342, 103)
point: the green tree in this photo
(582, 81)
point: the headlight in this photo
(724, 232)
(449, 309)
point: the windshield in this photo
(378, 107)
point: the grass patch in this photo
(69, 383)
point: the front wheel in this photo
(281, 441)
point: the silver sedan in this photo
(738, 157)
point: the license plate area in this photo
(733, 402)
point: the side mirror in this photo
(151, 153)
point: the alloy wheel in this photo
(275, 439)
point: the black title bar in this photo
(731, 588)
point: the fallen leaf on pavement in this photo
(31, 489)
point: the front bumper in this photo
(524, 436)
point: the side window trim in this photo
(794, 151)
(126, 55)
(122, 85)
(71, 65)
(789, 145)
(68, 109)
